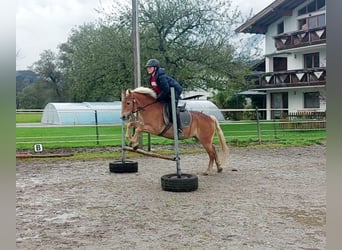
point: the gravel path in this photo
(275, 200)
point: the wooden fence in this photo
(304, 120)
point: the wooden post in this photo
(258, 125)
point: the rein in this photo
(140, 108)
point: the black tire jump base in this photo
(186, 183)
(123, 167)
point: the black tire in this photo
(123, 167)
(186, 183)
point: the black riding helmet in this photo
(153, 63)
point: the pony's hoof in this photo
(135, 146)
(206, 173)
(219, 170)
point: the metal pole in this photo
(175, 131)
(148, 142)
(136, 46)
(136, 51)
(123, 152)
(97, 129)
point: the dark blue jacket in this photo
(165, 82)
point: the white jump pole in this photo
(175, 132)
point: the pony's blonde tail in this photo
(223, 145)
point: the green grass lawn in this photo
(240, 134)
(28, 117)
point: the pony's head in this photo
(127, 105)
(134, 100)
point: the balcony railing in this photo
(290, 78)
(300, 38)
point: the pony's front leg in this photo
(128, 130)
(135, 138)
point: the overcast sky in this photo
(44, 24)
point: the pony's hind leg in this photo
(212, 157)
(217, 161)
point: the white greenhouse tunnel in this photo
(82, 113)
(86, 113)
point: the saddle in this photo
(184, 115)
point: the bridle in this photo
(137, 109)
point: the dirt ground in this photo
(275, 200)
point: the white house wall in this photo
(294, 58)
(295, 61)
(269, 41)
(290, 25)
(322, 58)
(296, 99)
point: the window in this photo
(321, 20)
(320, 4)
(280, 28)
(311, 100)
(311, 22)
(302, 24)
(311, 60)
(302, 11)
(312, 7)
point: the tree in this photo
(97, 62)
(24, 78)
(47, 67)
(193, 39)
(36, 96)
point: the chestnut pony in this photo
(145, 114)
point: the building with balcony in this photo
(294, 78)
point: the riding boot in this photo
(170, 112)
(179, 125)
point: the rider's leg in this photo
(170, 111)
(179, 125)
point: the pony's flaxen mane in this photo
(147, 91)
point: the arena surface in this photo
(275, 200)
